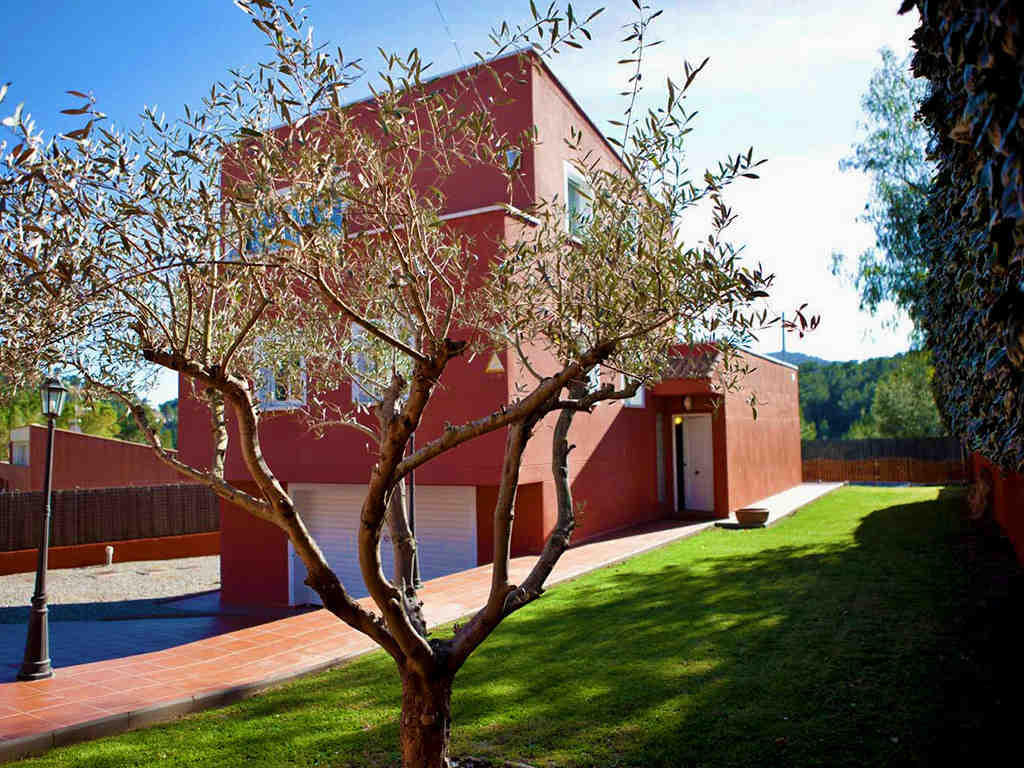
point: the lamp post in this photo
(36, 665)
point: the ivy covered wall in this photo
(972, 54)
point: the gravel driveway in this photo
(121, 581)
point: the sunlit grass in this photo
(814, 642)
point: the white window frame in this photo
(639, 400)
(574, 178)
(266, 395)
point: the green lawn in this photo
(829, 639)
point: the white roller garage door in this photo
(445, 530)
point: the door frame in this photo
(675, 458)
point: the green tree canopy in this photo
(893, 153)
(903, 405)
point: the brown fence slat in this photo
(934, 461)
(107, 514)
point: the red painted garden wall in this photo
(1007, 500)
(87, 461)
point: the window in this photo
(306, 217)
(577, 201)
(513, 158)
(19, 454)
(362, 364)
(637, 400)
(282, 387)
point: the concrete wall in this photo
(86, 461)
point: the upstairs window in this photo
(283, 387)
(360, 396)
(637, 400)
(577, 202)
(305, 216)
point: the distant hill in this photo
(834, 394)
(797, 358)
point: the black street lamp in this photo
(36, 665)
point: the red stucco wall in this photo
(465, 392)
(253, 557)
(466, 185)
(613, 470)
(763, 455)
(87, 461)
(1007, 500)
(14, 477)
(527, 525)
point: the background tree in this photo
(903, 404)
(169, 414)
(834, 395)
(225, 246)
(893, 153)
(807, 429)
(84, 412)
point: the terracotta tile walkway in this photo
(98, 699)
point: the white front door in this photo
(698, 463)
(445, 531)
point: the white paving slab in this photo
(789, 501)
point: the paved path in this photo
(83, 633)
(92, 700)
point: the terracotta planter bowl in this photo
(752, 516)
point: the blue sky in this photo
(784, 76)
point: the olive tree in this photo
(276, 227)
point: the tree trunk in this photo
(426, 722)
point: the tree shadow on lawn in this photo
(756, 653)
(789, 655)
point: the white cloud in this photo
(791, 220)
(787, 78)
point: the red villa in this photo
(680, 449)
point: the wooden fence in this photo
(936, 461)
(107, 514)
